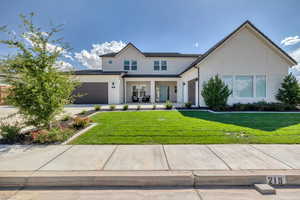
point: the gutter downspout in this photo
(198, 87)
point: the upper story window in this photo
(164, 65)
(156, 65)
(110, 62)
(160, 65)
(133, 65)
(126, 65)
(130, 65)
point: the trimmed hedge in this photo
(262, 106)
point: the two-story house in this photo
(248, 62)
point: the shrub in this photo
(80, 122)
(215, 93)
(97, 107)
(138, 107)
(289, 93)
(83, 112)
(112, 107)
(168, 105)
(51, 136)
(154, 107)
(65, 118)
(188, 105)
(263, 106)
(10, 132)
(125, 107)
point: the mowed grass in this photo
(192, 127)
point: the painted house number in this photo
(276, 180)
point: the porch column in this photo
(186, 92)
(125, 91)
(152, 91)
(196, 93)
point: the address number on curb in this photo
(276, 180)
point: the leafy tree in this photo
(39, 89)
(289, 93)
(215, 93)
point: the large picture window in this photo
(260, 84)
(244, 86)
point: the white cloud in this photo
(290, 40)
(64, 66)
(196, 44)
(91, 58)
(296, 69)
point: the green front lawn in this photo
(191, 127)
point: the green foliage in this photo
(65, 118)
(81, 122)
(138, 107)
(262, 106)
(112, 107)
(39, 89)
(97, 107)
(125, 107)
(83, 112)
(188, 105)
(215, 93)
(51, 136)
(289, 93)
(153, 107)
(168, 105)
(10, 132)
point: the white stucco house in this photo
(247, 60)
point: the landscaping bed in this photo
(192, 127)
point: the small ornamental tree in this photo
(215, 93)
(289, 93)
(39, 89)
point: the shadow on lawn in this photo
(261, 121)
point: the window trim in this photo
(254, 76)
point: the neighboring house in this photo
(248, 61)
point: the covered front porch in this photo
(150, 91)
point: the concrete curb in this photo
(147, 178)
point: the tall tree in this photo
(289, 93)
(38, 88)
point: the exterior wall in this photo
(185, 78)
(245, 54)
(115, 94)
(175, 65)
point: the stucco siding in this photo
(145, 64)
(245, 54)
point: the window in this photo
(228, 80)
(244, 86)
(110, 62)
(126, 65)
(156, 65)
(133, 65)
(163, 65)
(260, 83)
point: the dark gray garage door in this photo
(92, 93)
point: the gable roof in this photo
(152, 54)
(218, 44)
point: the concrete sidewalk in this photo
(147, 165)
(148, 157)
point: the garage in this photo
(91, 93)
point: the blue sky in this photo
(158, 25)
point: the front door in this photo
(163, 93)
